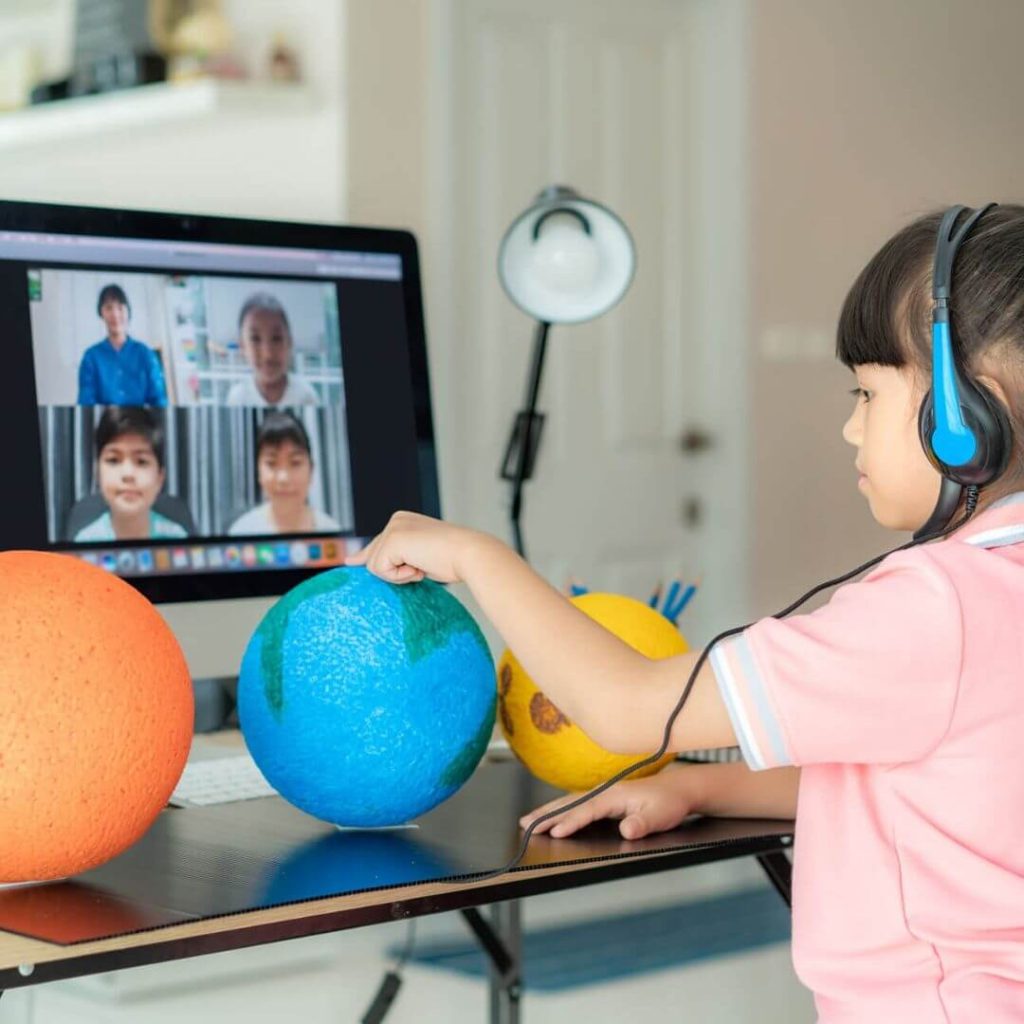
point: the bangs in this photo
(279, 427)
(885, 315)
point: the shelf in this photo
(149, 106)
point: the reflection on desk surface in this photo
(211, 861)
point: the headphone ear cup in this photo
(986, 418)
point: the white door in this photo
(639, 106)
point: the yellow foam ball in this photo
(552, 747)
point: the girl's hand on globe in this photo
(413, 547)
(654, 804)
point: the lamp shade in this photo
(566, 259)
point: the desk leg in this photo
(506, 990)
(501, 939)
(779, 870)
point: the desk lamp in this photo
(563, 260)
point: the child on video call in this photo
(265, 338)
(130, 474)
(284, 467)
(890, 721)
(119, 370)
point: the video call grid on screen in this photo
(195, 397)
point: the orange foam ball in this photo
(96, 715)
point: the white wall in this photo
(864, 115)
(249, 164)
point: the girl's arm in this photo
(734, 791)
(619, 697)
(663, 801)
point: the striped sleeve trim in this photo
(746, 698)
(1001, 536)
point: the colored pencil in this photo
(686, 598)
(670, 599)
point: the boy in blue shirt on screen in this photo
(119, 370)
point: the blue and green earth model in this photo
(365, 703)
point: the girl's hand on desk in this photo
(413, 547)
(654, 804)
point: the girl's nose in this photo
(852, 429)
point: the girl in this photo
(889, 722)
(265, 339)
(284, 465)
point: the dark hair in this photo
(280, 426)
(886, 318)
(117, 420)
(263, 302)
(112, 293)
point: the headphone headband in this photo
(946, 246)
(963, 427)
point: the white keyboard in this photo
(223, 779)
(220, 780)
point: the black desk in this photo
(209, 879)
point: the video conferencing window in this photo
(200, 420)
(162, 428)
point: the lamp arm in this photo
(526, 427)
(540, 345)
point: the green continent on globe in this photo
(461, 766)
(272, 629)
(428, 622)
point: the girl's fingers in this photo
(363, 556)
(378, 563)
(538, 812)
(358, 557)
(544, 826)
(634, 826)
(406, 574)
(572, 821)
(386, 570)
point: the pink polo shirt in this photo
(903, 701)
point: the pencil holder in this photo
(554, 748)
(95, 715)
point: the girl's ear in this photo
(995, 387)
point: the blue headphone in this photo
(963, 427)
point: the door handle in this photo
(695, 440)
